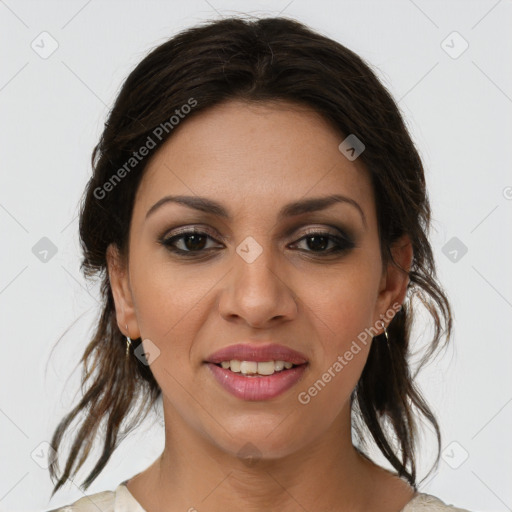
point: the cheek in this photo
(340, 354)
(341, 308)
(169, 305)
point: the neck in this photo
(194, 473)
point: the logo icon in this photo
(43, 455)
(249, 249)
(454, 45)
(44, 45)
(454, 249)
(147, 352)
(44, 250)
(351, 147)
(454, 455)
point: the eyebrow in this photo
(289, 210)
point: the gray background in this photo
(52, 108)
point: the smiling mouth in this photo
(256, 369)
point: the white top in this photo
(122, 500)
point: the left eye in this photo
(320, 241)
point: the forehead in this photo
(256, 155)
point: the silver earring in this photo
(386, 334)
(128, 343)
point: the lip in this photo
(260, 352)
(257, 387)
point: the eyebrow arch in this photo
(289, 210)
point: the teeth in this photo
(278, 365)
(253, 367)
(266, 368)
(235, 366)
(248, 367)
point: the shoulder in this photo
(423, 502)
(120, 500)
(103, 501)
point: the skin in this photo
(255, 158)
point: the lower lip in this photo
(258, 387)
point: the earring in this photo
(386, 334)
(128, 343)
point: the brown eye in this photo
(188, 242)
(319, 242)
(194, 242)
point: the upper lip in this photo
(259, 352)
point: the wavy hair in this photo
(256, 60)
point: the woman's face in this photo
(260, 270)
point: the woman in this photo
(259, 218)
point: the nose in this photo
(257, 293)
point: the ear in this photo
(121, 291)
(394, 281)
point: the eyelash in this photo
(342, 243)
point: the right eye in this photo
(192, 241)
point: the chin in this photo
(263, 437)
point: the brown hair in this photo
(255, 60)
